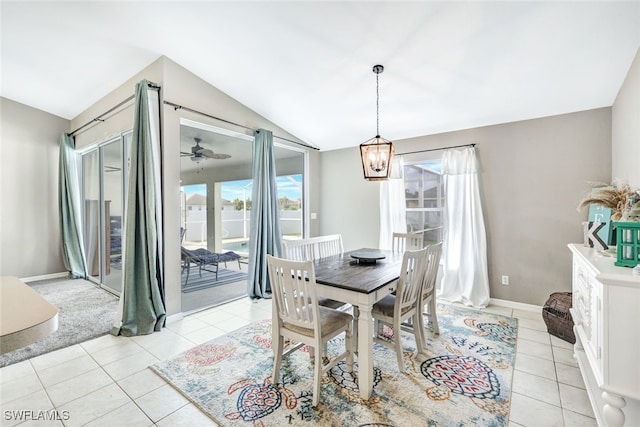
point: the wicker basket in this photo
(557, 317)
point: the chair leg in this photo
(419, 333)
(354, 332)
(277, 361)
(397, 341)
(317, 376)
(433, 318)
(349, 344)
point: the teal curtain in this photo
(70, 213)
(265, 238)
(142, 305)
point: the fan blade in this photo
(205, 152)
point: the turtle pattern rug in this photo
(464, 378)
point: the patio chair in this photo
(204, 257)
(406, 304)
(301, 320)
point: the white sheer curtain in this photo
(465, 277)
(393, 215)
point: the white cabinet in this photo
(606, 314)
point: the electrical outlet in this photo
(505, 280)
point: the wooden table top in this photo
(344, 271)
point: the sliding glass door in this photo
(216, 208)
(103, 188)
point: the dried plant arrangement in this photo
(616, 196)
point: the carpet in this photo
(465, 378)
(84, 312)
(208, 279)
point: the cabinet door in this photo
(587, 294)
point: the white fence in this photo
(237, 224)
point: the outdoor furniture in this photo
(405, 304)
(298, 317)
(204, 257)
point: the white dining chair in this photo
(329, 245)
(428, 299)
(392, 310)
(301, 320)
(402, 242)
(297, 250)
(314, 248)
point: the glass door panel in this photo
(290, 188)
(91, 212)
(104, 172)
(194, 216)
(112, 180)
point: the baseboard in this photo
(45, 277)
(174, 318)
(516, 305)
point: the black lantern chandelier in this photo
(377, 153)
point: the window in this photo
(424, 193)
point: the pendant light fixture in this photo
(377, 153)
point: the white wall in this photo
(534, 174)
(626, 128)
(29, 219)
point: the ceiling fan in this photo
(198, 153)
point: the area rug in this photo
(84, 312)
(208, 279)
(464, 379)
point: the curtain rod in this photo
(191, 110)
(436, 149)
(100, 117)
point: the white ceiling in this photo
(306, 66)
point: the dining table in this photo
(361, 278)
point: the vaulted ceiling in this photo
(307, 66)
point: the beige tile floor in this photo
(106, 381)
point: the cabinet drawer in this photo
(582, 294)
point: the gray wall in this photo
(626, 128)
(29, 220)
(533, 175)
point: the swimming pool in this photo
(236, 247)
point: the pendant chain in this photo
(377, 106)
